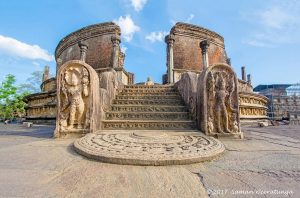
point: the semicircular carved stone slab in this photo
(148, 148)
(217, 102)
(77, 99)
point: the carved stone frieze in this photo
(148, 102)
(119, 125)
(252, 106)
(149, 108)
(148, 97)
(148, 115)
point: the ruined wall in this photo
(49, 85)
(244, 86)
(187, 53)
(100, 47)
(282, 106)
(41, 107)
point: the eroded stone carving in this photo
(77, 96)
(217, 101)
(148, 148)
(75, 90)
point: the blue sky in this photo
(263, 35)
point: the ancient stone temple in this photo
(41, 107)
(95, 97)
(191, 49)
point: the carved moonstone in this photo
(217, 102)
(148, 148)
(77, 99)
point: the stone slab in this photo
(154, 148)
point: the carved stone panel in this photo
(78, 99)
(217, 102)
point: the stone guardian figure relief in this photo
(217, 102)
(78, 99)
(76, 81)
(220, 106)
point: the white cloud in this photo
(190, 18)
(138, 4)
(13, 47)
(123, 49)
(256, 43)
(127, 26)
(275, 24)
(275, 17)
(36, 63)
(156, 36)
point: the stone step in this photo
(148, 125)
(143, 91)
(148, 97)
(147, 116)
(149, 102)
(149, 108)
(149, 86)
(172, 93)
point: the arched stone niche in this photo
(77, 99)
(217, 102)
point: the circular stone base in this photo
(148, 148)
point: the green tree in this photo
(11, 102)
(32, 84)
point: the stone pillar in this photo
(46, 73)
(204, 46)
(170, 64)
(121, 59)
(249, 80)
(228, 61)
(83, 49)
(58, 64)
(115, 53)
(244, 73)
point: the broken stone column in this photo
(83, 49)
(116, 48)
(170, 64)
(46, 73)
(249, 79)
(244, 73)
(217, 102)
(78, 103)
(204, 50)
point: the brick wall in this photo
(187, 53)
(98, 39)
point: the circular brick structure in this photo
(148, 148)
(97, 37)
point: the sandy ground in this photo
(265, 164)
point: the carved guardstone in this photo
(77, 99)
(217, 102)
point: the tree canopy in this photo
(11, 102)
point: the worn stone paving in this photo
(265, 164)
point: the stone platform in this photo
(155, 148)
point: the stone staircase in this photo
(142, 107)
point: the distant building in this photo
(284, 99)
